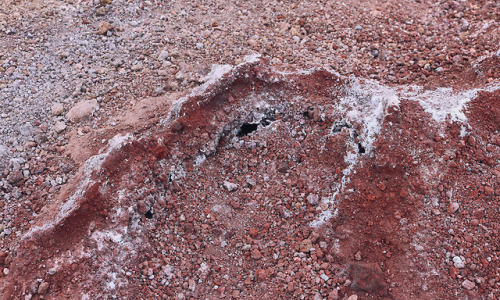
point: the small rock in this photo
(353, 297)
(43, 288)
(82, 110)
(313, 199)
(142, 207)
(6, 271)
(333, 295)
(467, 284)
(179, 76)
(164, 55)
(230, 186)
(59, 127)
(458, 263)
(137, 67)
(305, 245)
(199, 46)
(101, 11)
(454, 272)
(104, 27)
(162, 72)
(174, 85)
(15, 177)
(357, 256)
(255, 254)
(261, 274)
(488, 190)
(105, 2)
(57, 109)
(253, 232)
(453, 207)
(159, 91)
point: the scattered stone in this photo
(253, 232)
(313, 199)
(255, 254)
(142, 207)
(357, 256)
(305, 245)
(100, 11)
(261, 274)
(164, 55)
(453, 207)
(105, 2)
(104, 27)
(137, 67)
(15, 177)
(458, 263)
(333, 295)
(57, 109)
(162, 72)
(59, 126)
(82, 110)
(230, 186)
(43, 288)
(467, 284)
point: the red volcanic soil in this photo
(264, 184)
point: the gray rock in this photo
(57, 109)
(137, 67)
(230, 186)
(26, 129)
(164, 55)
(458, 263)
(59, 127)
(82, 110)
(467, 284)
(313, 199)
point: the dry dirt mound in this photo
(277, 185)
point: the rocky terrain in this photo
(234, 149)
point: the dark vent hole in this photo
(246, 129)
(361, 149)
(306, 113)
(149, 214)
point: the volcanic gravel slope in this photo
(275, 185)
(265, 181)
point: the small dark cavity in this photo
(149, 214)
(339, 125)
(361, 149)
(246, 129)
(306, 114)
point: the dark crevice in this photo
(361, 149)
(149, 214)
(248, 128)
(306, 114)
